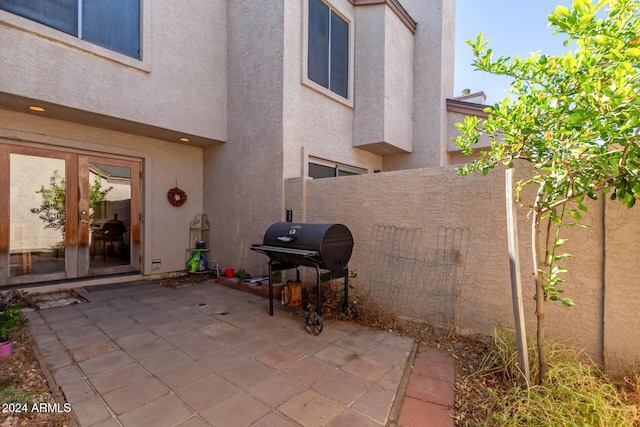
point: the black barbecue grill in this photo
(320, 246)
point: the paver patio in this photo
(140, 354)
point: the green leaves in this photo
(633, 52)
(575, 118)
(563, 11)
(52, 210)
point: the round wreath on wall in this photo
(176, 196)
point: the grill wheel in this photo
(314, 323)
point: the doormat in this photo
(116, 286)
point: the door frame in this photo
(77, 236)
(135, 226)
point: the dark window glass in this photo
(319, 42)
(328, 48)
(320, 171)
(342, 172)
(114, 24)
(323, 171)
(339, 81)
(59, 14)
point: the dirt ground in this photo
(25, 395)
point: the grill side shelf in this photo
(290, 251)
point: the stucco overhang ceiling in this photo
(73, 115)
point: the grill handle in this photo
(290, 237)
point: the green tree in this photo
(53, 208)
(573, 122)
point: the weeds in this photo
(19, 397)
(9, 382)
(574, 394)
(10, 319)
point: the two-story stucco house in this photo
(222, 99)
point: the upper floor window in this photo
(328, 48)
(113, 24)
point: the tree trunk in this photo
(539, 284)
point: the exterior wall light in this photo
(37, 108)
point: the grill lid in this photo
(328, 246)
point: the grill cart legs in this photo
(313, 321)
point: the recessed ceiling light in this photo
(185, 139)
(36, 108)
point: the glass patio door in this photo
(66, 216)
(109, 214)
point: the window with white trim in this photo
(113, 24)
(322, 169)
(328, 48)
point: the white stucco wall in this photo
(179, 84)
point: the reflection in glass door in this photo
(109, 216)
(66, 215)
(110, 212)
(38, 205)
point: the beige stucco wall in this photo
(243, 178)
(236, 73)
(316, 123)
(622, 293)
(602, 322)
(165, 228)
(433, 65)
(383, 107)
(179, 84)
(278, 121)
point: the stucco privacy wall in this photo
(434, 197)
(621, 285)
(183, 52)
(165, 228)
